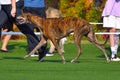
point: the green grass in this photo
(90, 66)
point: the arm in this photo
(13, 10)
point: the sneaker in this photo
(49, 54)
(42, 55)
(34, 55)
(115, 59)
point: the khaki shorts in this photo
(111, 22)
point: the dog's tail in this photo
(92, 38)
(106, 39)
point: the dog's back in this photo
(61, 27)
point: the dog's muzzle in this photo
(20, 20)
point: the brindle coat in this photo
(57, 28)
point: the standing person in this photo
(9, 12)
(111, 19)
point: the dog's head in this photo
(24, 18)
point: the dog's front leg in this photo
(60, 54)
(59, 50)
(42, 42)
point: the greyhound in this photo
(57, 28)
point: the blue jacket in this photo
(34, 3)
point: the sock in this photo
(116, 42)
(113, 51)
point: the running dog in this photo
(57, 28)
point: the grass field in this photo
(91, 65)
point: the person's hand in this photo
(13, 12)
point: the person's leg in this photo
(117, 35)
(51, 50)
(3, 19)
(0, 33)
(113, 46)
(32, 39)
(5, 43)
(7, 28)
(61, 43)
(112, 42)
(116, 42)
(110, 22)
(52, 47)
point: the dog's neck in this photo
(36, 21)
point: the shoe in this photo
(115, 59)
(34, 55)
(3, 50)
(49, 54)
(42, 55)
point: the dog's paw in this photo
(108, 60)
(73, 61)
(26, 56)
(63, 61)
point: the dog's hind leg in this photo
(92, 38)
(77, 40)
